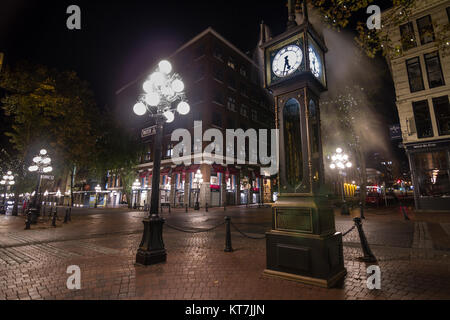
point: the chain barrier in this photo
(348, 231)
(245, 235)
(193, 231)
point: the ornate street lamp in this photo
(98, 189)
(7, 182)
(198, 180)
(340, 161)
(41, 164)
(136, 186)
(164, 94)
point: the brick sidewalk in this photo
(197, 268)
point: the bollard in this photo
(169, 207)
(66, 216)
(43, 210)
(405, 215)
(368, 255)
(28, 220)
(54, 220)
(344, 209)
(186, 208)
(228, 247)
(361, 210)
(206, 207)
(224, 206)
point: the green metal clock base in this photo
(303, 244)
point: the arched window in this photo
(293, 143)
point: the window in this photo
(218, 54)
(230, 123)
(254, 115)
(147, 154)
(199, 51)
(231, 104)
(426, 32)
(217, 119)
(231, 63)
(434, 71)
(199, 72)
(218, 98)
(408, 38)
(432, 173)
(218, 74)
(244, 90)
(169, 150)
(423, 119)
(232, 83)
(414, 74)
(244, 110)
(448, 13)
(243, 71)
(442, 112)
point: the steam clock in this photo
(303, 244)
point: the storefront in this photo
(231, 175)
(430, 172)
(215, 184)
(179, 178)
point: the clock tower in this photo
(303, 244)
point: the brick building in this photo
(224, 89)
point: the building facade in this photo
(224, 89)
(421, 74)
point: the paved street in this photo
(413, 256)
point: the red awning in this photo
(218, 167)
(165, 170)
(192, 168)
(178, 169)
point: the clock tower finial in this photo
(291, 14)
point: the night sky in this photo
(121, 39)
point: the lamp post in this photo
(163, 90)
(340, 161)
(58, 196)
(7, 181)
(136, 185)
(41, 165)
(198, 180)
(97, 190)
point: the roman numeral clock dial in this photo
(287, 60)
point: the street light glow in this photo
(338, 150)
(183, 108)
(158, 78)
(37, 159)
(165, 66)
(177, 85)
(43, 152)
(169, 116)
(152, 99)
(140, 109)
(148, 86)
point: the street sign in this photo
(395, 132)
(48, 177)
(148, 131)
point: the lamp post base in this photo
(151, 250)
(35, 213)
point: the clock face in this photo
(314, 63)
(287, 60)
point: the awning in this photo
(192, 168)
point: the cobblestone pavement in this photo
(103, 244)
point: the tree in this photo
(118, 152)
(51, 109)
